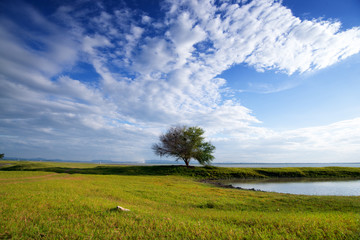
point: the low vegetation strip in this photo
(207, 172)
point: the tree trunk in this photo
(187, 161)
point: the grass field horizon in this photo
(77, 201)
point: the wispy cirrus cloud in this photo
(152, 73)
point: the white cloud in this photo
(90, 43)
(184, 33)
(154, 55)
(146, 19)
(337, 142)
(266, 35)
(341, 136)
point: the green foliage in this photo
(2, 155)
(185, 143)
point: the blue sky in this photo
(269, 81)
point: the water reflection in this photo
(339, 187)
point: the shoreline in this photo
(199, 173)
(217, 183)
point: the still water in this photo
(281, 165)
(303, 186)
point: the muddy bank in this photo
(218, 183)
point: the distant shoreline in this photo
(169, 163)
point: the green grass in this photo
(76, 201)
(208, 172)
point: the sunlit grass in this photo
(49, 205)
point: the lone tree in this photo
(185, 143)
(2, 155)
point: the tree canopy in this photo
(185, 143)
(2, 155)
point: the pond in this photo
(338, 187)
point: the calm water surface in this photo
(302, 186)
(281, 165)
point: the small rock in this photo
(123, 209)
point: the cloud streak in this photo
(152, 73)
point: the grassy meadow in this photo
(78, 201)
